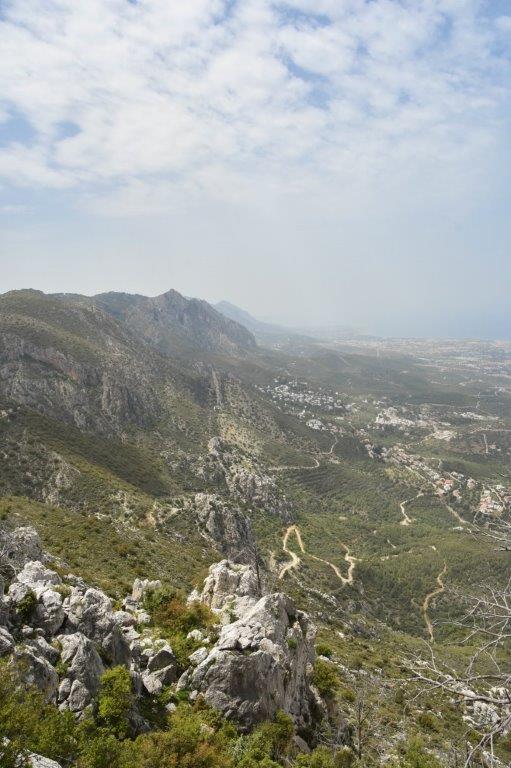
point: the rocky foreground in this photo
(64, 634)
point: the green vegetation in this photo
(325, 678)
(194, 736)
(26, 606)
(115, 701)
(174, 618)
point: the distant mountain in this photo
(171, 323)
(246, 319)
(269, 334)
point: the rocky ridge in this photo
(65, 633)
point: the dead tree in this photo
(483, 687)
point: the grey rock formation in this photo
(90, 612)
(83, 669)
(38, 761)
(37, 671)
(263, 660)
(245, 478)
(20, 546)
(6, 642)
(262, 663)
(227, 527)
(230, 587)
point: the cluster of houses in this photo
(296, 393)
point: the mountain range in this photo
(156, 440)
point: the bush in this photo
(169, 610)
(115, 701)
(325, 679)
(322, 649)
(429, 721)
(190, 742)
(31, 724)
(26, 606)
(268, 743)
(415, 756)
(322, 757)
(100, 749)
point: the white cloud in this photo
(249, 100)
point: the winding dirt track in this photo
(431, 596)
(406, 519)
(295, 561)
(284, 467)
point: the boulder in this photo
(42, 648)
(262, 663)
(83, 665)
(20, 546)
(6, 642)
(231, 587)
(37, 576)
(49, 613)
(142, 586)
(38, 761)
(36, 670)
(91, 614)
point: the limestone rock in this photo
(37, 576)
(230, 587)
(20, 546)
(6, 642)
(261, 663)
(142, 586)
(38, 671)
(38, 761)
(83, 665)
(227, 527)
(91, 613)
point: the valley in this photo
(358, 477)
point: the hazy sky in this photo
(314, 161)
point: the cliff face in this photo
(107, 363)
(171, 322)
(72, 363)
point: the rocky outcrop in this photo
(231, 588)
(227, 527)
(66, 633)
(19, 546)
(50, 624)
(245, 478)
(263, 659)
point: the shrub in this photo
(322, 757)
(322, 649)
(268, 743)
(31, 724)
(325, 678)
(429, 721)
(415, 756)
(169, 610)
(190, 742)
(115, 701)
(100, 749)
(26, 606)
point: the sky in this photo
(313, 161)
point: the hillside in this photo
(151, 438)
(170, 322)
